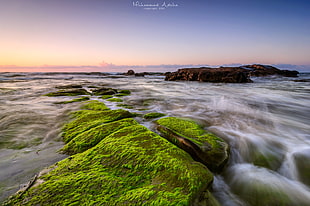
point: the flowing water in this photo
(266, 124)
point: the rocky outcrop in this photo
(258, 70)
(118, 161)
(201, 145)
(240, 74)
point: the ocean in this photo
(266, 124)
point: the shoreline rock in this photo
(118, 161)
(240, 74)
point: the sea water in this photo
(266, 124)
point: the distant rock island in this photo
(239, 74)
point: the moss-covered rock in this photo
(125, 91)
(93, 136)
(115, 100)
(68, 92)
(106, 96)
(129, 165)
(188, 135)
(95, 105)
(121, 94)
(74, 100)
(87, 119)
(259, 186)
(104, 91)
(302, 159)
(127, 106)
(153, 115)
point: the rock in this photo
(259, 186)
(130, 72)
(302, 159)
(204, 74)
(104, 91)
(68, 92)
(153, 115)
(227, 74)
(115, 100)
(265, 70)
(70, 86)
(189, 136)
(126, 164)
(74, 100)
(139, 74)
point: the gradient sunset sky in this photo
(102, 35)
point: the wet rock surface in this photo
(118, 162)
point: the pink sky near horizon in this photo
(81, 35)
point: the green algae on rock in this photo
(115, 100)
(74, 100)
(93, 136)
(129, 165)
(87, 119)
(104, 91)
(153, 115)
(188, 135)
(68, 92)
(127, 106)
(125, 91)
(95, 105)
(106, 96)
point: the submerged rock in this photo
(127, 165)
(153, 115)
(68, 92)
(302, 159)
(204, 147)
(104, 91)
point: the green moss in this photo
(125, 106)
(121, 94)
(95, 105)
(106, 96)
(104, 91)
(189, 129)
(68, 92)
(153, 115)
(124, 91)
(132, 166)
(208, 148)
(74, 100)
(87, 119)
(91, 137)
(115, 100)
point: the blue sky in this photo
(111, 35)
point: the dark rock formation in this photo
(227, 74)
(130, 72)
(258, 70)
(205, 74)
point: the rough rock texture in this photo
(227, 74)
(204, 147)
(126, 165)
(265, 70)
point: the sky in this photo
(152, 35)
